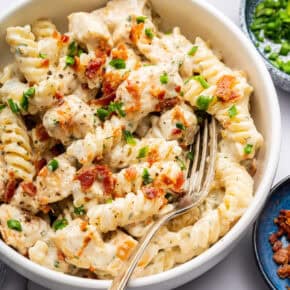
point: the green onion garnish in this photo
(102, 113)
(60, 224)
(232, 111)
(164, 78)
(13, 106)
(143, 152)
(149, 33)
(146, 177)
(52, 165)
(141, 19)
(203, 102)
(192, 51)
(118, 63)
(14, 225)
(129, 137)
(79, 210)
(180, 126)
(248, 149)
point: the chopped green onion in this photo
(30, 92)
(102, 113)
(203, 102)
(52, 165)
(149, 33)
(2, 106)
(70, 60)
(181, 163)
(248, 149)
(146, 177)
(73, 49)
(56, 264)
(13, 106)
(202, 81)
(79, 210)
(232, 111)
(24, 102)
(60, 224)
(180, 126)
(118, 63)
(129, 137)
(109, 200)
(117, 108)
(14, 225)
(193, 50)
(42, 55)
(141, 19)
(143, 152)
(164, 78)
(190, 155)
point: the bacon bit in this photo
(77, 65)
(45, 63)
(124, 250)
(64, 38)
(86, 241)
(224, 90)
(29, 188)
(120, 52)
(92, 269)
(177, 89)
(152, 192)
(158, 93)
(60, 255)
(41, 133)
(94, 68)
(167, 104)
(130, 174)
(59, 98)
(136, 32)
(84, 226)
(176, 131)
(10, 188)
(87, 177)
(179, 182)
(43, 172)
(55, 34)
(153, 156)
(39, 164)
(133, 90)
(103, 47)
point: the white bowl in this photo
(194, 18)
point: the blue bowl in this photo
(264, 227)
(247, 9)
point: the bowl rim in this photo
(234, 234)
(245, 28)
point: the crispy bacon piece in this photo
(39, 164)
(41, 133)
(167, 104)
(87, 176)
(158, 93)
(10, 188)
(176, 131)
(95, 66)
(177, 89)
(133, 90)
(120, 52)
(152, 192)
(64, 38)
(179, 182)
(103, 47)
(130, 174)
(136, 32)
(29, 188)
(224, 90)
(45, 63)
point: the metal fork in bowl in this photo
(200, 176)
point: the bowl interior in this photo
(194, 18)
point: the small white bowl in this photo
(194, 18)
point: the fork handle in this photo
(120, 282)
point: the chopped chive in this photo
(190, 155)
(42, 55)
(146, 177)
(13, 106)
(102, 114)
(149, 33)
(73, 49)
(141, 19)
(52, 165)
(117, 108)
(181, 163)
(129, 137)
(118, 63)
(69, 60)
(56, 264)
(60, 224)
(248, 149)
(203, 102)
(2, 106)
(143, 152)
(232, 111)
(202, 81)
(109, 200)
(193, 50)
(79, 210)
(180, 126)
(14, 225)
(164, 78)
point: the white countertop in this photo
(238, 271)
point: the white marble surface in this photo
(238, 271)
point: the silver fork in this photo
(200, 178)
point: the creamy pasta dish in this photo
(95, 128)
